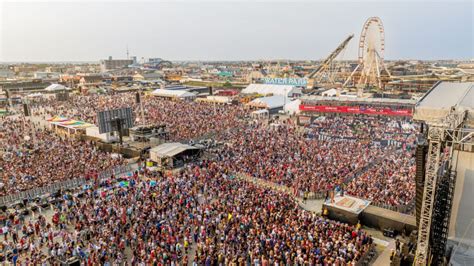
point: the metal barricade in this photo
(66, 184)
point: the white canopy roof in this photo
(56, 87)
(266, 89)
(435, 105)
(173, 93)
(330, 92)
(171, 149)
(292, 107)
(270, 102)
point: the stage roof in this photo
(436, 104)
(171, 149)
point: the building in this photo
(93, 80)
(29, 85)
(272, 89)
(271, 103)
(155, 60)
(174, 94)
(323, 105)
(46, 75)
(6, 74)
(113, 64)
(147, 76)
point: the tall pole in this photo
(141, 107)
(119, 129)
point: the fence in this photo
(335, 138)
(368, 256)
(322, 193)
(116, 171)
(406, 209)
(63, 185)
(37, 192)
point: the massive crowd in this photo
(34, 156)
(184, 120)
(202, 216)
(327, 154)
(391, 181)
(348, 156)
(284, 154)
(366, 128)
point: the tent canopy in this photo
(292, 107)
(171, 149)
(271, 102)
(266, 89)
(173, 93)
(56, 87)
(68, 123)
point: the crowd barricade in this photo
(405, 209)
(367, 257)
(63, 185)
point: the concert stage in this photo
(351, 210)
(346, 209)
(381, 218)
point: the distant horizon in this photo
(230, 31)
(210, 61)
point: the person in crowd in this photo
(34, 156)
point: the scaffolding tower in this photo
(449, 130)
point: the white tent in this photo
(173, 94)
(215, 99)
(165, 153)
(56, 87)
(330, 93)
(271, 102)
(267, 89)
(262, 113)
(35, 95)
(170, 149)
(292, 107)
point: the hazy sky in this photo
(197, 30)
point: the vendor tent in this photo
(182, 94)
(171, 149)
(271, 89)
(292, 107)
(215, 99)
(70, 125)
(56, 87)
(271, 102)
(170, 154)
(329, 93)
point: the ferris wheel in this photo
(371, 65)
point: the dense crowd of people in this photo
(391, 181)
(184, 120)
(325, 155)
(366, 128)
(283, 154)
(348, 156)
(34, 156)
(205, 214)
(201, 216)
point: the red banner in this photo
(355, 110)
